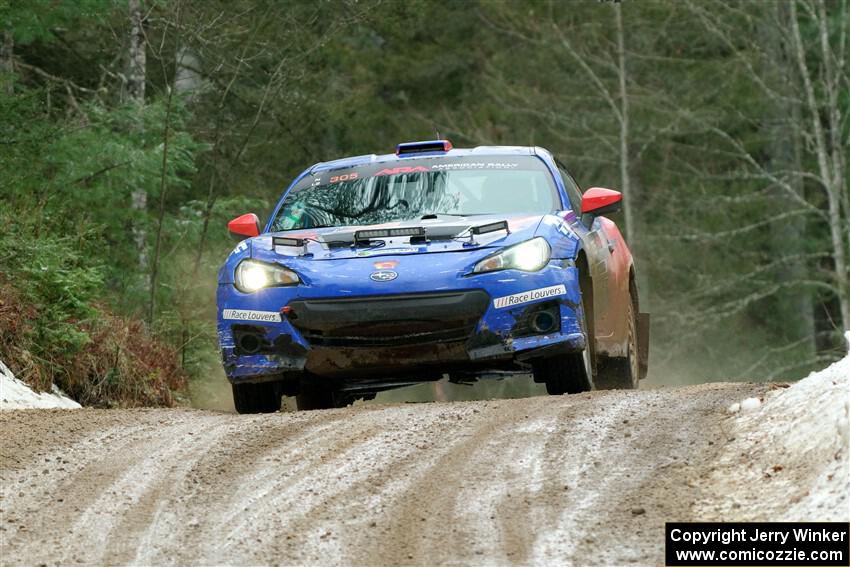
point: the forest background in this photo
(131, 131)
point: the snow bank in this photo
(14, 394)
(817, 430)
(789, 458)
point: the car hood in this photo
(337, 243)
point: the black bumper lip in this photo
(387, 320)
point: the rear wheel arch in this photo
(624, 372)
(633, 289)
(643, 324)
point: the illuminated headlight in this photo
(252, 275)
(528, 256)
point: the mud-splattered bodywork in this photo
(435, 316)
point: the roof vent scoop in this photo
(429, 147)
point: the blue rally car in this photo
(375, 272)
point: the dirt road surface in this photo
(583, 480)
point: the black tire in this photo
(264, 397)
(315, 394)
(563, 374)
(622, 373)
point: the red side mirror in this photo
(599, 201)
(244, 226)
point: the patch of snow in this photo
(14, 394)
(817, 431)
(734, 408)
(789, 461)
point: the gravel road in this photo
(585, 479)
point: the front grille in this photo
(393, 320)
(366, 338)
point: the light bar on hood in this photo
(427, 147)
(492, 227)
(285, 241)
(369, 234)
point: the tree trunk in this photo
(795, 306)
(163, 188)
(137, 64)
(163, 181)
(830, 171)
(7, 64)
(625, 179)
(6, 52)
(187, 78)
(135, 90)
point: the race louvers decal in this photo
(530, 295)
(245, 315)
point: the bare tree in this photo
(795, 307)
(616, 97)
(825, 133)
(601, 65)
(135, 90)
(623, 120)
(137, 53)
(163, 191)
(801, 82)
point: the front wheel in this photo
(563, 374)
(315, 395)
(569, 373)
(264, 397)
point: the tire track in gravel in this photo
(124, 479)
(148, 492)
(181, 526)
(584, 459)
(371, 525)
(498, 478)
(298, 506)
(540, 480)
(313, 523)
(267, 499)
(66, 481)
(424, 503)
(571, 448)
(669, 451)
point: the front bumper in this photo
(401, 334)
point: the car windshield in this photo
(412, 188)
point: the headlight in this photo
(528, 256)
(252, 275)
